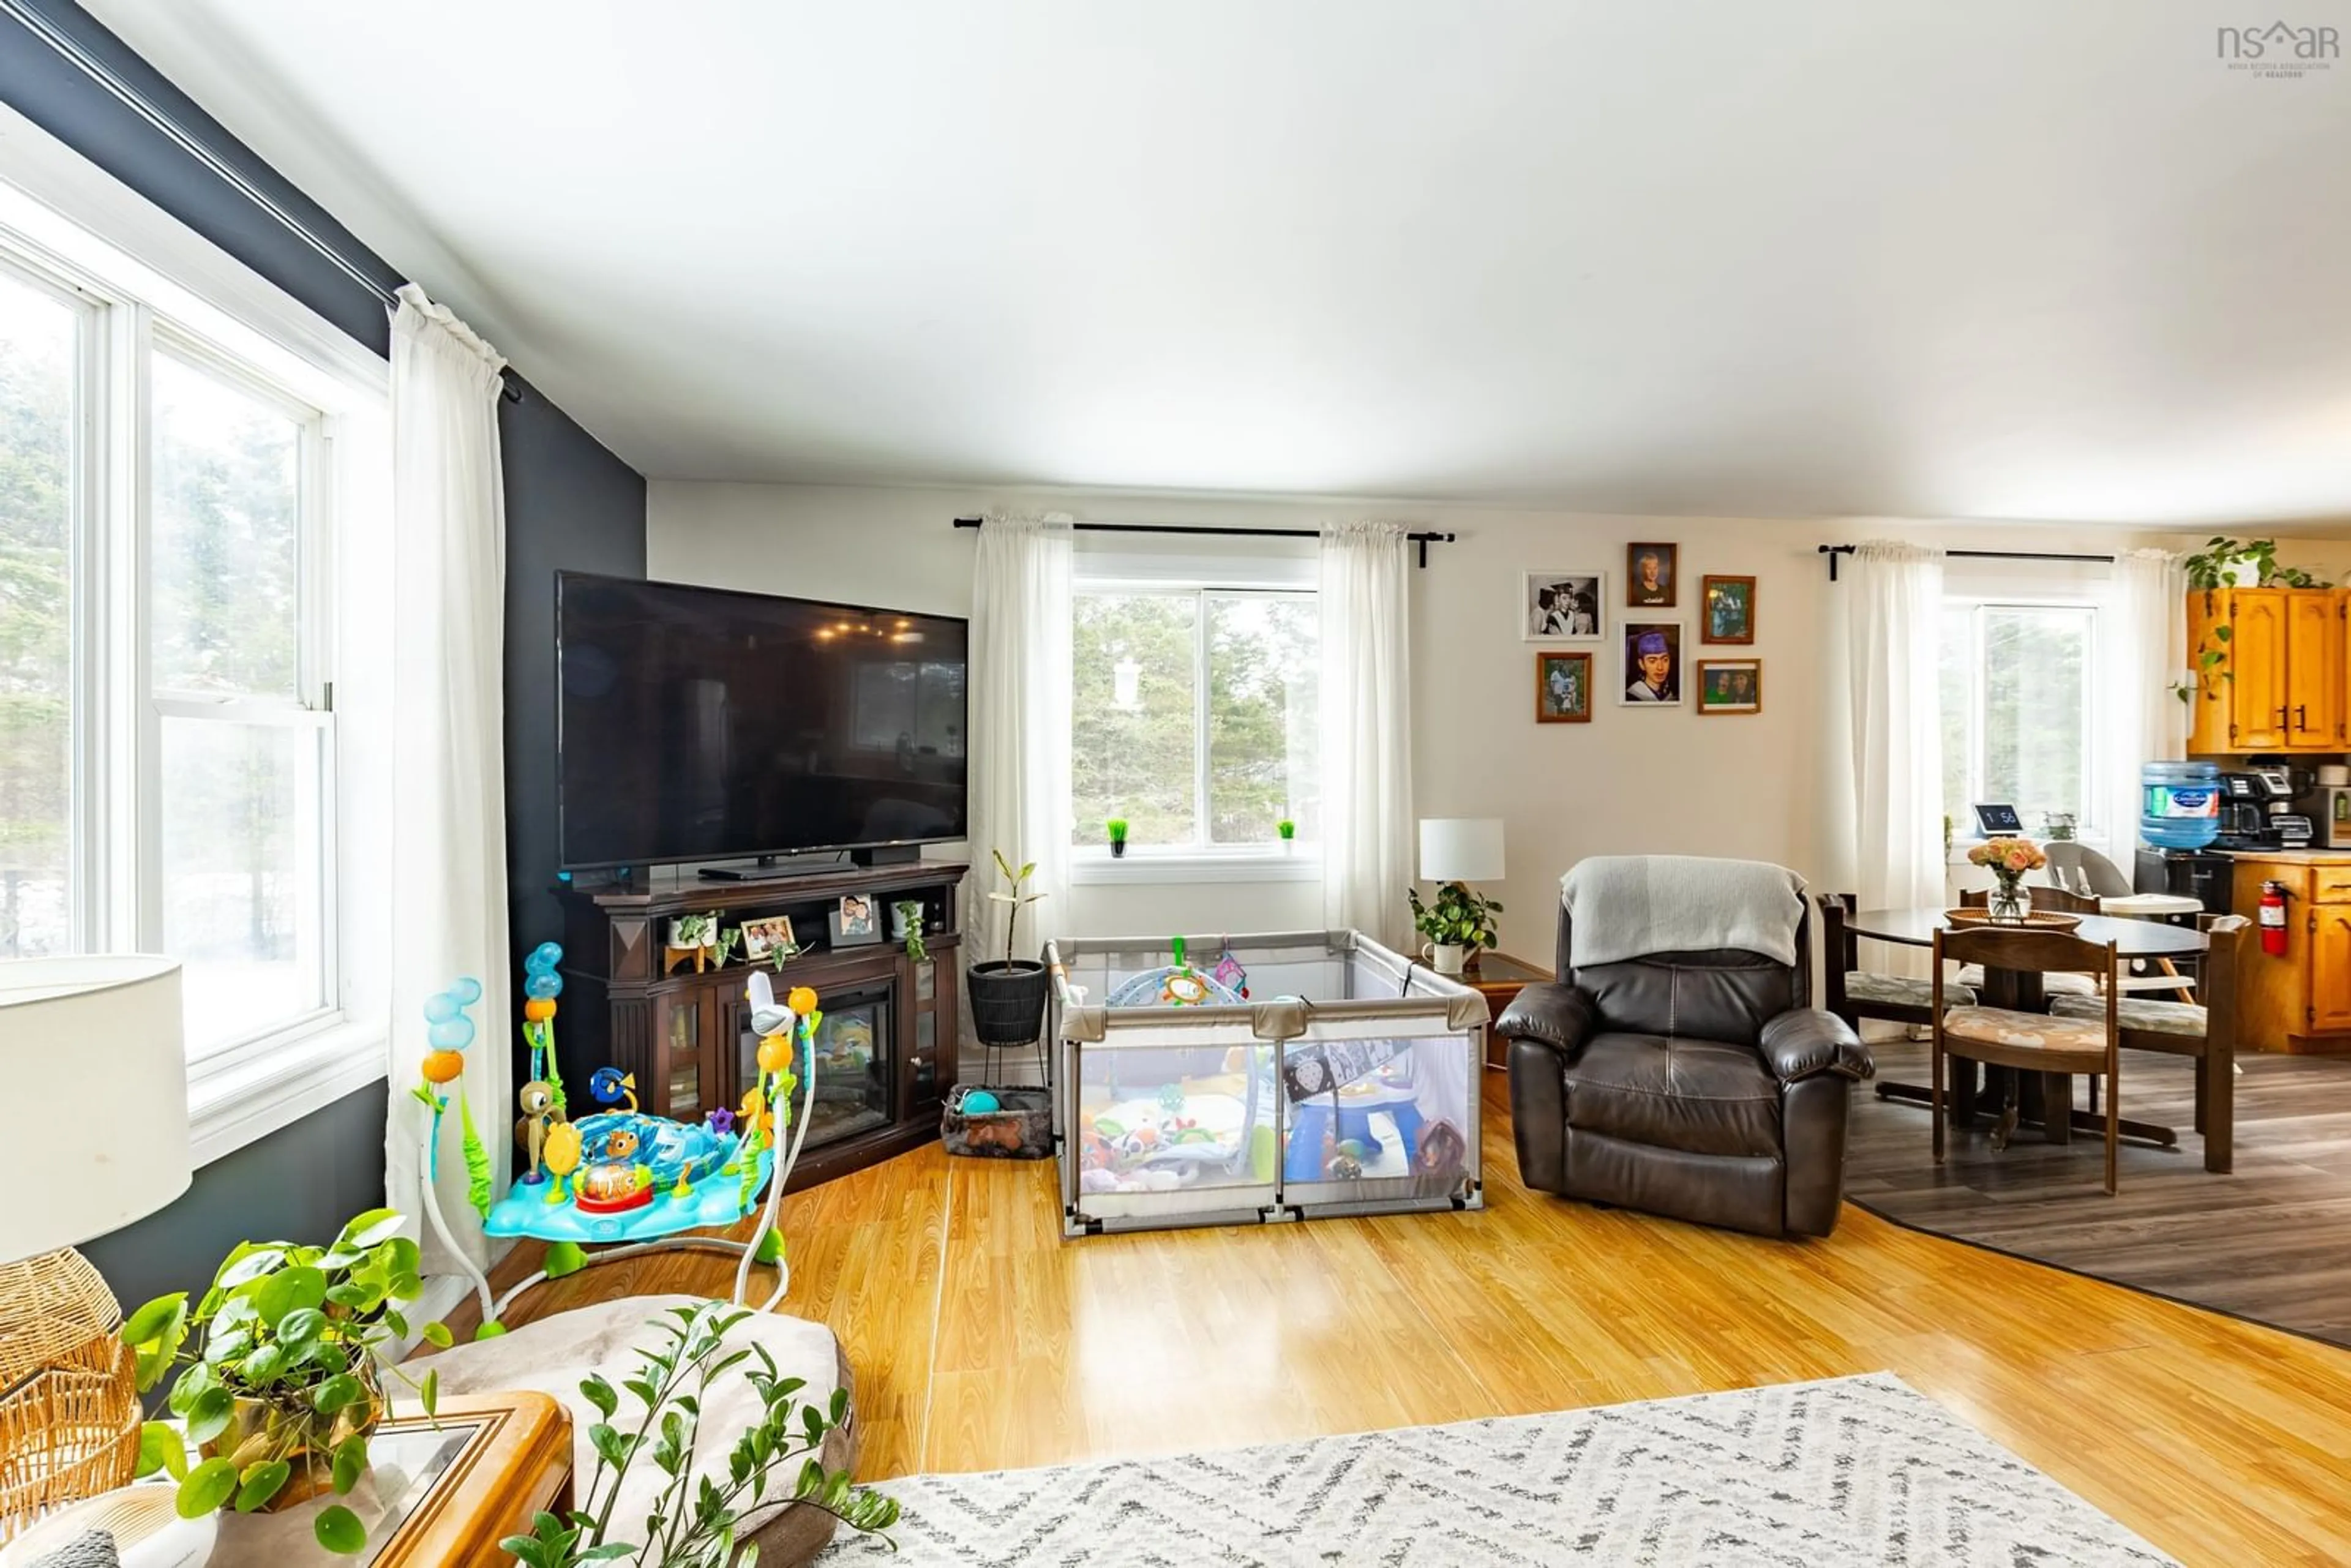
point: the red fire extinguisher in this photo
(2273, 918)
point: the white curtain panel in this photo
(2145, 652)
(1893, 612)
(449, 900)
(1366, 701)
(1020, 724)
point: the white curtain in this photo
(1893, 606)
(448, 787)
(1366, 703)
(2144, 648)
(1020, 698)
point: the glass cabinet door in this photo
(683, 1042)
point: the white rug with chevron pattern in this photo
(1852, 1470)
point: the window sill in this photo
(241, 1096)
(1096, 867)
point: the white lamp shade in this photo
(1461, 849)
(97, 1130)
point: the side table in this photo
(1499, 977)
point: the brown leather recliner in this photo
(1701, 1085)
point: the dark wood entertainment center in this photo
(685, 1038)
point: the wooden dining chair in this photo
(1854, 993)
(2056, 900)
(2030, 1043)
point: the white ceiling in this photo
(1909, 258)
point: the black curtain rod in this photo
(1423, 539)
(1833, 551)
(71, 50)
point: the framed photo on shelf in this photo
(1562, 606)
(761, 938)
(1729, 686)
(854, 923)
(1729, 605)
(1653, 664)
(1651, 573)
(1562, 688)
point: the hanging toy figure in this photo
(542, 985)
(610, 1085)
(538, 1114)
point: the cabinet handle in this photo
(2302, 715)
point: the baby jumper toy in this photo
(631, 1181)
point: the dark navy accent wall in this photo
(570, 503)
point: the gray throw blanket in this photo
(1625, 906)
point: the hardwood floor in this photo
(981, 1340)
(2272, 1239)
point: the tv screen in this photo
(697, 724)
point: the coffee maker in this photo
(2256, 812)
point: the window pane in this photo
(227, 498)
(1262, 653)
(1131, 750)
(37, 462)
(2036, 672)
(240, 874)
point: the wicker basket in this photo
(68, 1388)
(2034, 920)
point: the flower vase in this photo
(2010, 904)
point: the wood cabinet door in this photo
(2314, 662)
(2330, 968)
(2257, 668)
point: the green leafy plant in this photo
(1117, 826)
(1287, 829)
(694, 930)
(2207, 569)
(1457, 916)
(910, 911)
(278, 1376)
(1014, 899)
(728, 940)
(691, 1523)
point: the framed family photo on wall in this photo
(1561, 606)
(1653, 664)
(1729, 686)
(1728, 603)
(1562, 688)
(1650, 573)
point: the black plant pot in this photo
(1118, 848)
(1008, 1001)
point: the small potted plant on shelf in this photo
(1457, 925)
(1008, 994)
(2224, 562)
(1288, 831)
(1117, 826)
(906, 925)
(279, 1377)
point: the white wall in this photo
(1630, 781)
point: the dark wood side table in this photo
(1499, 977)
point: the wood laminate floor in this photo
(2272, 1239)
(981, 1340)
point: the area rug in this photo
(1852, 1470)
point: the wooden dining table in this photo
(2023, 991)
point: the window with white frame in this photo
(167, 741)
(2015, 683)
(1194, 715)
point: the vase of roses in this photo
(2008, 860)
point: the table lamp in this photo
(1457, 850)
(90, 1051)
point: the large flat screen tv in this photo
(701, 724)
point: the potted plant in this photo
(1117, 826)
(1288, 831)
(1008, 994)
(2224, 562)
(780, 1459)
(278, 1371)
(906, 925)
(1457, 925)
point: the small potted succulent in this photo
(1288, 831)
(279, 1377)
(1117, 826)
(1008, 994)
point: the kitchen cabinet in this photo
(2300, 1000)
(2279, 683)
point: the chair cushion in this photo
(2059, 984)
(2135, 1012)
(1700, 1096)
(1902, 991)
(2028, 1031)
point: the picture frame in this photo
(1648, 684)
(1726, 610)
(854, 922)
(1563, 606)
(1729, 686)
(1563, 687)
(762, 937)
(1652, 575)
